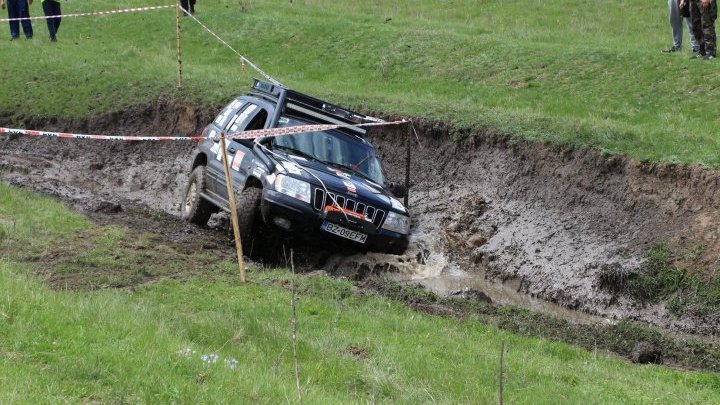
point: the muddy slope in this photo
(533, 218)
(548, 221)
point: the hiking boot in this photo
(709, 56)
(673, 49)
(698, 55)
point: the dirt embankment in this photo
(549, 221)
(533, 218)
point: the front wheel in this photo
(248, 207)
(194, 208)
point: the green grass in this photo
(113, 346)
(682, 290)
(127, 345)
(569, 71)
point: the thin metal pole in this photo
(233, 209)
(294, 328)
(502, 372)
(407, 167)
(179, 49)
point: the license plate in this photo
(344, 232)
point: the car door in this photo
(250, 116)
(215, 176)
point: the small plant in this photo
(659, 280)
(696, 252)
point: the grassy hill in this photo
(195, 334)
(569, 71)
(184, 329)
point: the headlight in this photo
(397, 223)
(397, 205)
(293, 187)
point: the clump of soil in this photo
(356, 351)
(466, 229)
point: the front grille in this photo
(321, 200)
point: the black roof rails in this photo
(308, 105)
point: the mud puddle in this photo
(474, 286)
(436, 272)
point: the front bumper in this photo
(290, 215)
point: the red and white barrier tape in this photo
(125, 10)
(258, 133)
(15, 131)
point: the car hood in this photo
(341, 181)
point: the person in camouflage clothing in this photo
(703, 14)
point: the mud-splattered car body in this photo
(325, 186)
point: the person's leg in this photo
(184, 5)
(58, 13)
(675, 24)
(48, 10)
(696, 18)
(24, 12)
(708, 28)
(192, 6)
(12, 8)
(693, 41)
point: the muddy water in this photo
(436, 272)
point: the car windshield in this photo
(332, 147)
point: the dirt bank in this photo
(529, 217)
(549, 221)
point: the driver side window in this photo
(235, 124)
(248, 119)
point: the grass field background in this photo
(572, 72)
(145, 343)
(576, 72)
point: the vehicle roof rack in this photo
(308, 105)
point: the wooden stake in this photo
(179, 51)
(233, 209)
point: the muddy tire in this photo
(248, 210)
(194, 208)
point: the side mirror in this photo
(397, 190)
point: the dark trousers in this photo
(19, 9)
(52, 8)
(703, 20)
(188, 5)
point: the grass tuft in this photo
(660, 280)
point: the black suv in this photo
(325, 186)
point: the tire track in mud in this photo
(505, 215)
